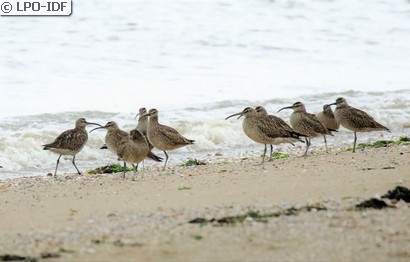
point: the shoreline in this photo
(103, 217)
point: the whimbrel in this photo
(328, 118)
(133, 150)
(142, 126)
(114, 137)
(307, 124)
(265, 129)
(142, 121)
(70, 142)
(355, 119)
(164, 137)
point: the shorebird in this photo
(328, 118)
(134, 150)
(114, 137)
(142, 126)
(306, 124)
(142, 121)
(70, 142)
(129, 149)
(266, 129)
(164, 137)
(355, 119)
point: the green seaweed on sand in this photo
(108, 169)
(382, 143)
(194, 162)
(277, 155)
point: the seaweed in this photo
(255, 215)
(382, 143)
(399, 193)
(194, 162)
(109, 169)
(372, 203)
(277, 155)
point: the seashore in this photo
(106, 218)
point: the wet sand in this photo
(107, 218)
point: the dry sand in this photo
(107, 218)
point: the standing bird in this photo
(307, 124)
(129, 149)
(164, 137)
(142, 126)
(328, 118)
(265, 129)
(70, 142)
(134, 150)
(355, 119)
(115, 137)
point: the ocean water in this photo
(196, 62)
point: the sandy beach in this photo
(107, 218)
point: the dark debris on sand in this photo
(399, 193)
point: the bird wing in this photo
(173, 135)
(68, 139)
(314, 124)
(273, 126)
(364, 119)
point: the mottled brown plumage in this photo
(265, 129)
(164, 137)
(327, 118)
(306, 124)
(70, 142)
(134, 150)
(115, 137)
(355, 119)
(142, 126)
(130, 148)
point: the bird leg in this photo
(135, 171)
(324, 137)
(55, 171)
(271, 151)
(76, 166)
(123, 170)
(263, 156)
(166, 160)
(354, 142)
(307, 146)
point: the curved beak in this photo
(100, 127)
(147, 114)
(90, 123)
(332, 104)
(237, 114)
(288, 107)
(136, 116)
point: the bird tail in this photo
(154, 157)
(46, 147)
